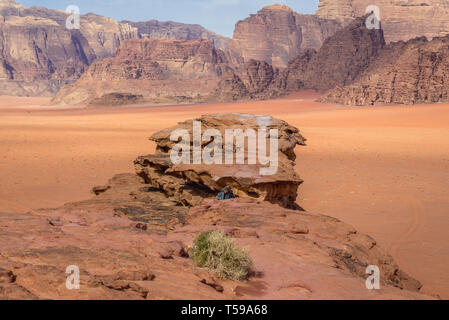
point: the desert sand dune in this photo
(385, 170)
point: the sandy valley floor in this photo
(384, 170)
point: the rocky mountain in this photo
(404, 73)
(315, 30)
(170, 71)
(338, 62)
(154, 29)
(401, 19)
(158, 70)
(276, 35)
(102, 34)
(254, 80)
(38, 54)
(271, 35)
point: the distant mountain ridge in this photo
(38, 54)
(154, 29)
(157, 70)
(273, 51)
(170, 71)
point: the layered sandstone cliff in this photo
(276, 35)
(39, 54)
(271, 35)
(404, 73)
(169, 71)
(154, 29)
(401, 19)
(102, 34)
(158, 70)
(315, 30)
(340, 60)
(254, 80)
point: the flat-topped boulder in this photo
(276, 181)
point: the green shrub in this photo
(216, 251)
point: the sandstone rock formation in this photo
(159, 70)
(401, 19)
(315, 30)
(256, 80)
(191, 183)
(404, 73)
(116, 99)
(296, 256)
(121, 256)
(276, 35)
(154, 29)
(340, 60)
(132, 239)
(271, 35)
(38, 54)
(168, 71)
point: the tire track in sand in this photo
(418, 215)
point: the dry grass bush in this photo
(216, 252)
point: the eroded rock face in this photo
(340, 60)
(191, 183)
(157, 69)
(256, 80)
(296, 256)
(306, 238)
(194, 71)
(315, 30)
(401, 20)
(272, 35)
(170, 71)
(404, 73)
(38, 54)
(276, 35)
(154, 29)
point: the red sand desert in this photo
(385, 170)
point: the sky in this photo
(219, 16)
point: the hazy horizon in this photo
(202, 12)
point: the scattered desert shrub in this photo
(216, 252)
